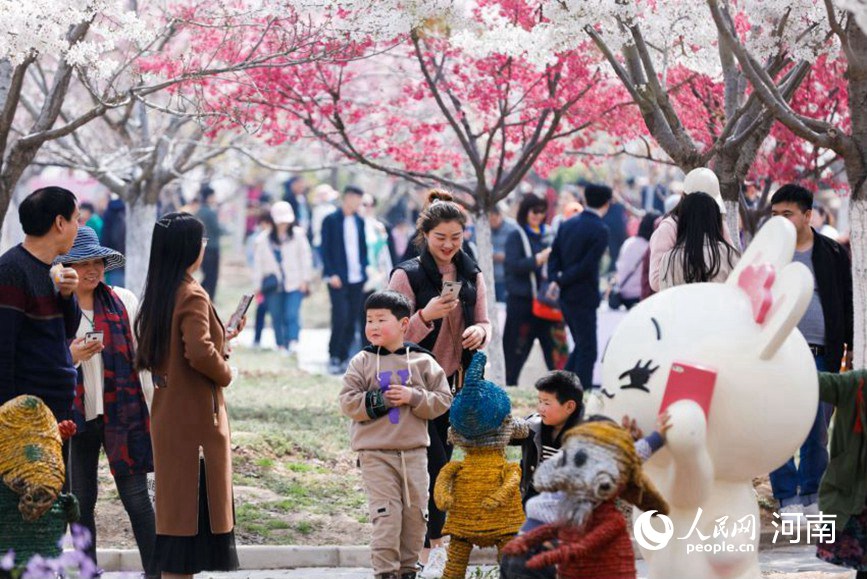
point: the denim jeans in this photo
(81, 477)
(800, 485)
(285, 310)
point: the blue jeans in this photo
(285, 310)
(800, 485)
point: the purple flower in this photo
(80, 537)
(8, 561)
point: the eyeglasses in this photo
(538, 210)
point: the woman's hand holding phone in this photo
(438, 308)
(83, 351)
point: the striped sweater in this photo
(36, 323)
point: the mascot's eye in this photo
(580, 458)
(638, 376)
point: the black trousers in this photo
(81, 469)
(438, 454)
(522, 329)
(211, 271)
(346, 307)
(582, 325)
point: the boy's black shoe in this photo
(387, 576)
(408, 575)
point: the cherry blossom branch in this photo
(822, 134)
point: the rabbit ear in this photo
(779, 290)
(791, 293)
(773, 245)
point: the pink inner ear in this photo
(756, 281)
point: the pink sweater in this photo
(447, 349)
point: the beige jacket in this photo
(431, 397)
(297, 262)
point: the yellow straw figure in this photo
(481, 493)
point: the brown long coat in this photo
(183, 419)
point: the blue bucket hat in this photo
(481, 406)
(87, 247)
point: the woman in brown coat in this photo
(184, 344)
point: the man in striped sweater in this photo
(39, 312)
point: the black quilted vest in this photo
(426, 282)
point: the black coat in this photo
(334, 261)
(575, 256)
(833, 271)
(519, 266)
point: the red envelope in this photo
(689, 382)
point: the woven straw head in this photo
(481, 406)
(31, 461)
(598, 462)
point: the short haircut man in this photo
(39, 211)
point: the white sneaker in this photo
(436, 564)
(811, 509)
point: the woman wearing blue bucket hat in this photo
(110, 406)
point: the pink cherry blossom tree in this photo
(421, 107)
(62, 65)
(844, 134)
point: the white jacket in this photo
(296, 263)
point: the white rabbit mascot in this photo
(740, 385)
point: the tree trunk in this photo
(497, 371)
(858, 236)
(140, 219)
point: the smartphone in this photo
(451, 289)
(91, 337)
(689, 382)
(240, 312)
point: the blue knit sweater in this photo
(36, 323)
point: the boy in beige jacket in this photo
(390, 391)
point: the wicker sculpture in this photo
(33, 513)
(480, 493)
(596, 465)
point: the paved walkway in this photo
(782, 563)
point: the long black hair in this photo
(700, 226)
(176, 245)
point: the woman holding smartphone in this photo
(110, 408)
(183, 343)
(451, 328)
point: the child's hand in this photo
(663, 423)
(632, 426)
(398, 395)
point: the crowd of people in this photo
(145, 381)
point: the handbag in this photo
(615, 300)
(272, 282)
(544, 307)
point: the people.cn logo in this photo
(650, 538)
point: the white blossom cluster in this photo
(382, 20)
(675, 30)
(39, 27)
